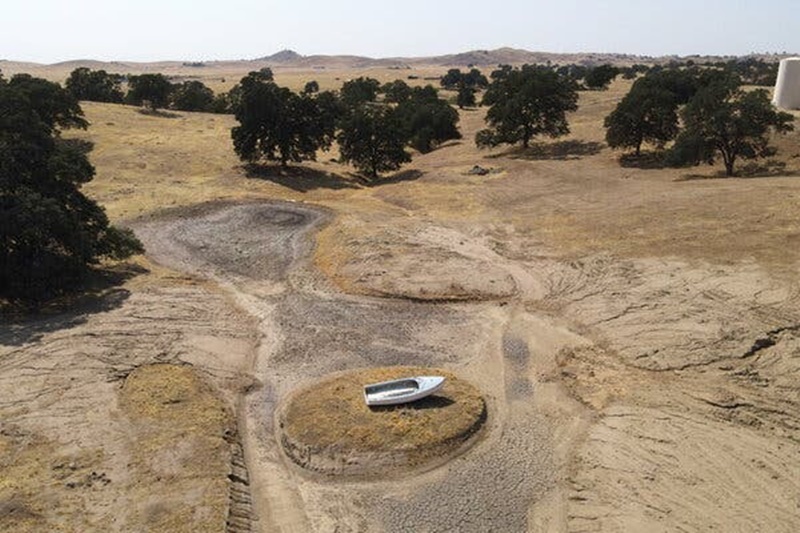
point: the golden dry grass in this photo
(33, 473)
(222, 78)
(179, 424)
(576, 200)
(332, 414)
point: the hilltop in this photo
(290, 59)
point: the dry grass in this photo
(576, 199)
(222, 78)
(33, 474)
(180, 425)
(332, 414)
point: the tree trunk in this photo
(639, 149)
(729, 159)
(373, 171)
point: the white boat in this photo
(402, 390)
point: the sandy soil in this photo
(636, 335)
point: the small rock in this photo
(478, 170)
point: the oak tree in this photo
(95, 85)
(192, 96)
(150, 89)
(724, 120)
(50, 232)
(427, 119)
(648, 113)
(372, 139)
(276, 124)
(526, 102)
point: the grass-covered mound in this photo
(328, 428)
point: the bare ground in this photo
(635, 335)
(675, 364)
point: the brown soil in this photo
(328, 428)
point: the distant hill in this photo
(511, 56)
(284, 56)
(289, 59)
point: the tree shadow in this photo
(100, 292)
(752, 170)
(81, 146)
(299, 178)
(157, 113)
(554, 151)
(397, 177)
(771, 168)
(448, 144)
(429, 402)
(643, 161)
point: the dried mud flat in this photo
(623, 395)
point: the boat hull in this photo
(400, 391)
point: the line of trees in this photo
(154, 90)
(276, 124)
(704, 112)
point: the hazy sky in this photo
(57, 30)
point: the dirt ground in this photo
(635, 332)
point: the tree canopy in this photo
(427, 119)
(277, 124)
(648, 113)
(526, 102)
(599, 78)
(95, 85)
(466, 97)
(722, 119)
(359, 91)
(372, 138)
(455, 79)
(152, 89)
(396, 91)
(50, 233)
(192, 96)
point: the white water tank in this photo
(787, 88)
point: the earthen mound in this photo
(328, 428)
